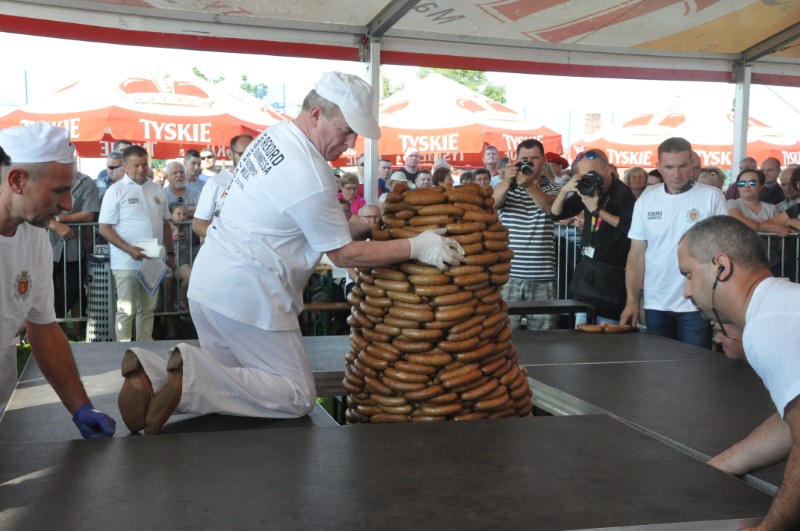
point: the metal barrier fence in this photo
(97, 294)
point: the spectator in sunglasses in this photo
(208, 164)
(749, 209)
(712, 176)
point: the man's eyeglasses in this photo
(591, 155)
(238, 153)
(752, 183)
(207, 157)
(112, 168)
(351, 188)
(710, 172)
(371, 217)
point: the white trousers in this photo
(240, 370)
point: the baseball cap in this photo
(398, 176)
(38, 142)
(353, 95)
(555, 157)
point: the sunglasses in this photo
(591, 155)
(752, 183)
(710, 172)
(112, 168)
(207, 157)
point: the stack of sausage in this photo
(430, 345)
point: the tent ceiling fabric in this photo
(650, 39)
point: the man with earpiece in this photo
(727, 277)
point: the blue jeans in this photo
(688, 327)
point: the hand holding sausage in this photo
(434, 249)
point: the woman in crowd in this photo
(636, 179)
(712, 176)
(442, 177)
(349, 185)
(789, 219)
(467, 177)
(654, 177)
(749, 208)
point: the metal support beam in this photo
(771, 44)
(389, 16)
(741, 113)
(371, 155)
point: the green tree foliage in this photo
(201, 75)
(259, 90)
(388, 89)
(473, 79)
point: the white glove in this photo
(432, 248)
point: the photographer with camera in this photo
(523, 199)
(607, 207)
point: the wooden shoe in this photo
(166, 399)
(134, 397)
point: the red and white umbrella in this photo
(443, 118)
(171, 113)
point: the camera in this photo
(590, 183)
(524, 168)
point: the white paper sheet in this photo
(151, 273)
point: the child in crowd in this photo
(181, 234)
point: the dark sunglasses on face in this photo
(207, 157)
(591, 155)
(112, 168)
(752, 183)
(710, 172)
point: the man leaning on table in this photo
(727, 276)
(279, 216)
(37, 173)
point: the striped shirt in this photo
(530, 234)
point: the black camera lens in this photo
(524, 167)
(590, 183)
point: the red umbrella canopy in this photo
(441, 117)
(636, 142)
(173, 113)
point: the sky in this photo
(560, 103)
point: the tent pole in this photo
(371, 156)
(741, 113)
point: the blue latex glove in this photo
(92, 423)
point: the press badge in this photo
(588, 251)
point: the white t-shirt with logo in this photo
(279, 216)
(771, 335)
(137, 212)
(661, 219)
(212, 196)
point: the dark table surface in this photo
(534, 473)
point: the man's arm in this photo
(766, 445)
(501, 190)
(429, 247)
(200, 226)
(634, 276)
(785, 510)
(51, 350)
(543, 201)
(557, 208)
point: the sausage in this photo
(434, 291)
(419, 221)
(489, 202)
(472, 248)
(412, 347)
(393, 223)
(443, 409)
(477, 354)
(404, 376)
(481, 293)
(472, 188)
(440, 325)
(421, 334)
(458, 369)
(510, 376)
(470, 280)
(458, 196)
(494, 296)
(437, 359)
(411, 314)
(405, 409)
(399, 386)
(411, 306)
(372, 335)
(454, 313)
(358, 340)
(350, 387)
(500, 235)
(465, 227)
(519, 394)
(459, 346)
(495, 245)
(590, 328)
(387, 274)
(423, 198)
(415, 367)
(361, 319)
(376, 386)
(517, 382)
(350, 356)
(371, 290)
(499, 280)
(437, 279)
(503, 413)
(405, 214)
(394, 197)
(391, 401)
(477, 287)
(500, 268)
(400, 323)
(489, 368)
(391, 208)
(394, 285)
(462, 379)
(465, 270)
(504, 334)
(375, 311)
(468, 238)
(472, 385)
(487, 309)
(388, 418)
(402, 296)
(483, 259)
(383, 328)
(466, 325)
(505, 256)
(616, 329)
(380, 235)
(427, 418)
(372, 362)
(446, 398)
(485, 217)
(351, 376)
(475, 394)
(470, 332)
(475, 415)
(493, 403)
(398, 234)
(492, 320)
(415, 268)
(458, 297)
(424, 394)
(377, 351)
(442, 209)
(354, 299)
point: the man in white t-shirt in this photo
(727, 276)
(660, 217)
(37, 173)
(280, 215)
(134, 210)
(213, 192)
